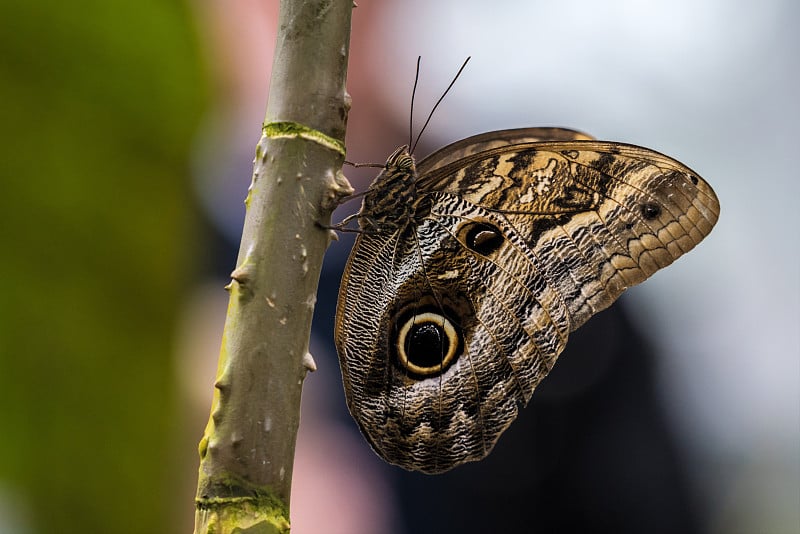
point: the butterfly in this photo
(472, 267)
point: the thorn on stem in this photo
(241, 275)
(309, 363)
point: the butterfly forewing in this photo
(454, 308)
(592, 207)
(489, 140)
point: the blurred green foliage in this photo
(100, 101)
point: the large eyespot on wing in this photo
(426, 342)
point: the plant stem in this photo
(247, 450)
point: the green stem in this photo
(247, 451)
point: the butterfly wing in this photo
(445, 326)
(602, 216)
(489, 140)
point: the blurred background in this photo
(128, 136)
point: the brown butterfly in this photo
(472, 267)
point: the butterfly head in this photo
(401, 160)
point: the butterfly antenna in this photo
(413, 94)
(419, 135)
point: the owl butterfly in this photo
(473, 266)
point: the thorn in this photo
(222, 385)
(241, 275)
(309, 363)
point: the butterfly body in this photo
(473, 267)
(389, 202)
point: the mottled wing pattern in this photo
(511, 325)
(489, 140)
(604, 216)
(447, 322)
